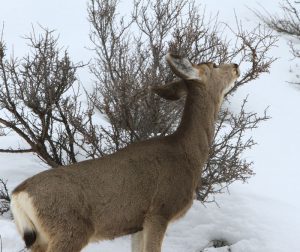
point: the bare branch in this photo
(286, 23)
(4, 197)
(39, 93)
(128, 63)
(10, 150)
(33, 96)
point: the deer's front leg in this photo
(137, 242)
(153, 233)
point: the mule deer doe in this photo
(137, 190)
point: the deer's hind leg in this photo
(71, 243)
(154, 231)
(70, 237)
(38, 248)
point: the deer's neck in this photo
(196, 128)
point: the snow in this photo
(262, 215)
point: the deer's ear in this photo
(183, 68)
(172, 91)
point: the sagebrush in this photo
(40, 93)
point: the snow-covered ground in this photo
(261, 216)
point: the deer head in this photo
(217, 79)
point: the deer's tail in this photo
(22, 210)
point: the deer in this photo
(137, 190)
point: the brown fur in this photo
(140, 188)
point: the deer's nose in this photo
(236, 66)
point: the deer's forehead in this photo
(204, 65)
(203, 68)
(221, 71)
